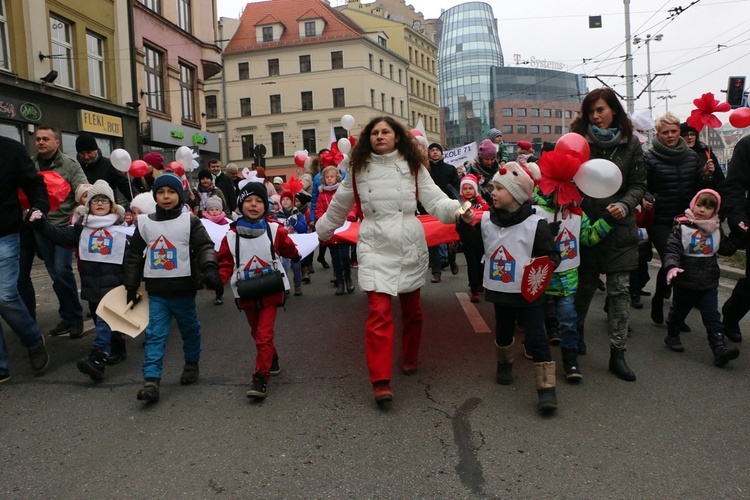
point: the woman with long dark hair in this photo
(386, 179)
(605, 124)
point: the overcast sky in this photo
(557, 30)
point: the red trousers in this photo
(261, 328)
(379, 332)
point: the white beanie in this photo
(515, 179)
(145, 203)
(81, 190)
(214, 201)
(101, 188)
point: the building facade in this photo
(61, 65)
(468, 47)
(175, 51)
(409, 36)
(293, 68)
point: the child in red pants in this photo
(251, 248)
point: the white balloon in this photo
(598, 178)
(347, 121)
(344, 145)
(120, 159)
(344, 163)
(184, 155)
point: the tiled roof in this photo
(288, 13)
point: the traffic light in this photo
(736, 91)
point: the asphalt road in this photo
(680, 431)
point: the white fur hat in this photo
(145, 203)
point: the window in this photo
(547, 113)
(521, 111)
(308, 140)
(410, 55)
(413, 118)
(535, 112)
(275, 104)
(521, 129)
(307, 102)
(371, 60)
(4, 44)
(383, 42)
(62, 52)
(382, 101)
(243, 70)
(381, 66)
(411, 85)
(267, 33)
(390, 71)
(393, 105)
(372, 98)
(248, 144)
(568, 114)
(304, 64)
(507, 129)
(337, 60)
(338, 98)
(546, 129)
(534, 129)
(558, 113)
(507, 111)
(184, 19)
(95, 56)
(340, 133)
(245, 106)
(154, 79)
(277, 143)
(187, 92)
(212, 110)
(273, 67)
(310, 28)
(558, 129)
(401, 108)
(154, 5)
(399, 76)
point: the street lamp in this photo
(647, 41)
(666, 100)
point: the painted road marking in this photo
(472, 313)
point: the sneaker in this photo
(149, 391)
(189, 374)
(474, 297)
(435, 278)
(76, 331)
(4, 377)
(258, 387)
(218, 301)
(39, 357)
(454, 268)
(62, 328)
(674, 344)
(733, 333)
(409, 368)
(275, 368)
(94, 365)
(323, 263)
(382, 391)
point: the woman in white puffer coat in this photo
(386, 179)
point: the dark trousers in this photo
(658, 234)
(532, 319)
(706, 301)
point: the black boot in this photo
(733, 333)
(94, 365)
(349, 284)
(117, 351)
(722, 353)
(618, 366)
(544, 374)
(505, 357)
(672, 340)
(570, 365)
(635, 301)
(657, 309)
(581, 343)
(734, 310)
(340, 287)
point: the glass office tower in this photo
(468, 48)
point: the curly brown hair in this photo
(360, 154)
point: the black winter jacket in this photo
(102, 169)
(17, 171)
(97, 278)
(444, 175)
(202, 258)
(700, 273)
(736, 202)
(226, 185)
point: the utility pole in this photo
(630, 101)
(647, 41)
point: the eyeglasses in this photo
(100, 201)
(691, 134)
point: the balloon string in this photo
(130, 185)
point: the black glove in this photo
(554, 228)
(212, 279)
(134, 297)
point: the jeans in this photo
(28, 252)
(58, 261)
(532, 319)
(340, 261)
(104, 334)
(12, 308)
(568, 320)
(160, 313)
(296, 268)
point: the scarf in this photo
(249, 229)
(329, 188)
(605, 138)
(673, 156)
(100, 221)
(217, 219)
(705, 226)
(486, 172)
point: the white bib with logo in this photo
(694, 244)
(255, 257)
(567, 240)
(105, 244)
(167, 246)
(507, 252)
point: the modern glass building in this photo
(469, 47)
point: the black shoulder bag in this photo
(259, 286)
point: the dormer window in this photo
(268, 33)
(310, 28)
(310, 24)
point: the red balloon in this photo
(740, 118)
(138, 169)
(575, 145)
(299, 160)
(177, 168)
